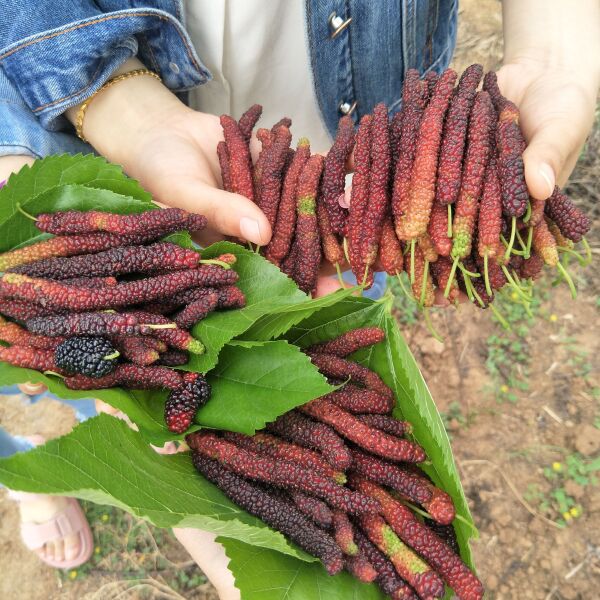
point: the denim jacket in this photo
(56, 53)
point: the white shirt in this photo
(257, 52)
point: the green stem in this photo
(486, 275)
(588, 251)
(214, 261)
(430, 326)
(54, 373)
(568, 279)
(527, 214)
(160, 326)
(23, 212)
(529, 242)
(580, 259)
(449, 232)
(511, 241)
(339, 274)
(424, 284)
(522, 243)
(513, 283)
(364, 279)
(345, 247)
(403, 288)
(469, 273)
(499, 316)
(115, 354)
(468, 286)
(412, 261)
(512, 250)
(451, 277)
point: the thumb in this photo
(229, 214)
(545, 157)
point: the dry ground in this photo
(525, 452)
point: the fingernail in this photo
(250, 230)
(547, 174)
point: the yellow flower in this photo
(567, 516)
(553, 318)
(504, 389)
(514, 296)
(104, 518)
(97, 549)
(556, 466)
(575, 511)
(72, 574)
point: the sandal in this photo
(70, 520)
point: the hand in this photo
(557, 112)
(171, 150)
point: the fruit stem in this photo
(511, 241)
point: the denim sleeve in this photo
(57, 53)
(22, 133)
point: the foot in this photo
(40, 509)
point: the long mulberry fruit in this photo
(173, 358)
(510, 149)
(384, 422)
(489, 225)
(196, 311)
(358, 400)
(270, 445)
(15, 335)
(571, 221)
(129, 376)
(363, 435)
(283, 233)
(478, 152)
(73, 222)
(351, 341)
(342, 369)
(334, 174)
(274, 512)
(19, 310)
(91, 323)
(361, 568)
(57, 295)
(391, 257)
(28, 357)
(225, 165)
(183, 403)
(343, 533)
(297, 428)
(86, 355)
(240, 164)
(136, 349)
(414, 99)
(161, 328)
(249, 119)
(378, 184)
(332, 249)
(282, 474)
(455, 136)
(307, 230)
(160, 256)
(424, 171)
(410, 484)
(360, 196)
(91, 282)
(419, 537)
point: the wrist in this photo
(118, 119)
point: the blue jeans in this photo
(11, 444)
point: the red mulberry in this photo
(424, 171)
(384, 422)
(17, 336)
(283, 233)
(455, 135)
(351, 341)
(343, 533)
(28, 357)
(363, 435)
(249, 119)
(161, 256)
(334, 174)
(183, 403)
(361, 568)
(239, 158)
(196, 311)
(307, 230)
(129, 376)
(407, 482)
(93, 323)
(137, 350)
(357, 400)
(571, 221)
(316, 510)
(390, 250)
(279, 473)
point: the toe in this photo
(72, 547)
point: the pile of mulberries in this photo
(438, 191)
(106, 303)
(339, 477)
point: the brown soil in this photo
(501, 447)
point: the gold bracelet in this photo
(109, 83)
